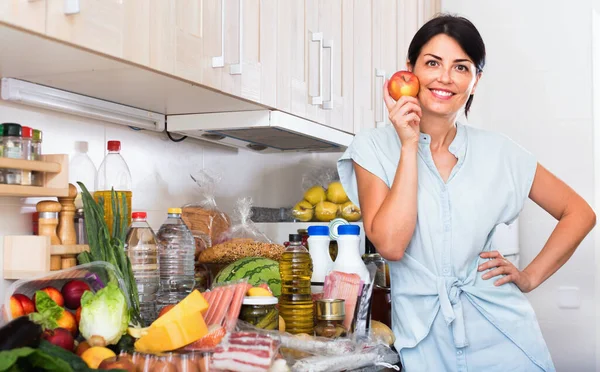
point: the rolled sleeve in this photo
(363, 152)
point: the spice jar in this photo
(36, 154)
(261, 312)
(13, 148)
(330, 318)
(26, 135)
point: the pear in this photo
(336, 193)
(326, 211)
(303, 211)
(315, 194)
(350, 212)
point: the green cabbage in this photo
(104, 315)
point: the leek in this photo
(107, 247)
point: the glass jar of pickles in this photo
(261, 312)
(330, 318)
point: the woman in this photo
(432, 192)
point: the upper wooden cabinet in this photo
(323, 60)
(314, 60)
(119, 28)
(382, 33)
(224, 44)
(24, 13)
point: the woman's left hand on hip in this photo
(501, 266)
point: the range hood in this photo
(265, 131)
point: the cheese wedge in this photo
(194, 302)
(173, 334)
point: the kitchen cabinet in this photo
(119, 28)
(207, 42)
(382, 33)
(248, 49)
(28, 14)
(314, 60)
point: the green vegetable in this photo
(104, 247)
(57, 352)
(104, 314)
(28, 359)
(48, 312)
(125, 345)
(47, 357)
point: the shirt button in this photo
(459, 352)
(446, 271)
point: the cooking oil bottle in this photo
(295, 302)
(114, 174)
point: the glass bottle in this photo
(37, 178)
(26, 135)
(382, 275)
(13, 148)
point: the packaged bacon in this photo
(245, 352)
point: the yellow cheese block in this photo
(194, 302)
(173, 335)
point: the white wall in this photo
(537, 88)
(160, 168)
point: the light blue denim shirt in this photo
(455, 223)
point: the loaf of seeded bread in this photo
(235, 249)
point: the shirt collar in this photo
(457, 147)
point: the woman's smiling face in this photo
(447, 76)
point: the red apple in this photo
(72, 292)
(59, 337)
(16, 309)
(403, 83)
(54, 295)
(26, 303)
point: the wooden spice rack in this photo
(28, 256)
(55, 176)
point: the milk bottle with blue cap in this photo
(318, 243)
(348, 259)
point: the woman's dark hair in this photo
(458, 28)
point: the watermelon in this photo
(256, 269)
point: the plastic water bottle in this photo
(318, 245)
(176, 251)
(82, 169)
(113, 174)
(348, 259)
(142, 250)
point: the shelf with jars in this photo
(49, 176)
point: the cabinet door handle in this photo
(318, 37)
(71, 7)
(379, 73)
(328, 44)
(236, 69)
(220, 60)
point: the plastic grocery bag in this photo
(324, 198)
(244, 228)
(206, 221)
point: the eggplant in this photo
(20, 332)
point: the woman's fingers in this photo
(507, 279)
(500, 270)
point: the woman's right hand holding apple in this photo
(405, 115)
